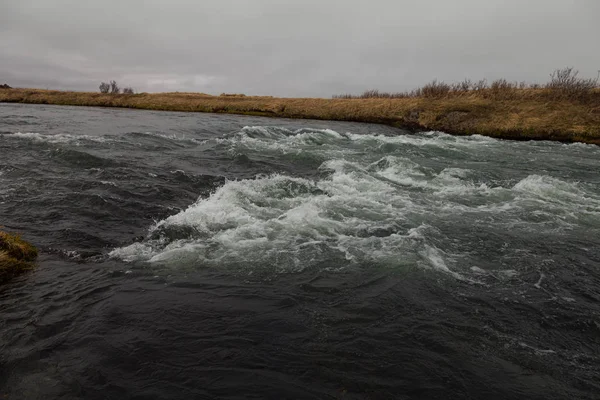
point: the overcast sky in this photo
(293, 47)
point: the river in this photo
(200, 256)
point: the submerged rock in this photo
(16, 256)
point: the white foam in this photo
(508, 273)
(108, 183)
(79, 139)
(277, 138)
(290, 224)
(433, 138)
(172, 137)
(58, 138)
(547, 187)
(373, 204)
(557, 200)
(435, 258)
(538, 284)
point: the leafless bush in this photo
(463, 86)
(563, 78)
(114, 88)
(480, 84)
(343, 96)
(371, 94)
(401, 95)
(435, 89)
(104, 87)
(376, 94)
(502, 89)
(502, 84)
(566, 83)
(128, 90)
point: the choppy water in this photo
(214, 256)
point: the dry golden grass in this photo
(520, 114)
(16, 256)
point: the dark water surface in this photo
(197, 256)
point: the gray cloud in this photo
(291, 48)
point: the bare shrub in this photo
(566, 83)
(563, 78)
(480, 84)
(463, 86)
(343, 96)
(501, 84)
(401, 95)
(114, 88)
(370, 94)
(435, 89)
(503, 89)
(128, 90)
(104, 87)
(376, 94)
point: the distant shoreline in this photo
(524, 115)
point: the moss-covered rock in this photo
(16, 256)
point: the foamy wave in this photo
(371, 205)
(324, 144)
(322, 136)
(289, 224)
(169, 137)
(58, 138)
(406, 173)
(304, 134)
(547, 187)
(552, 190)
(432, 138)
(80, 139)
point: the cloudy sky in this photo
(291, 47)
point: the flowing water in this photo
(197, 256)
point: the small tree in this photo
(104, 87)
(128, 90)
(114, 88)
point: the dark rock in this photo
(5, 86)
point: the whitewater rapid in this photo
(371, 201)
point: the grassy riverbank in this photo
(16, 256)
(509, 113)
